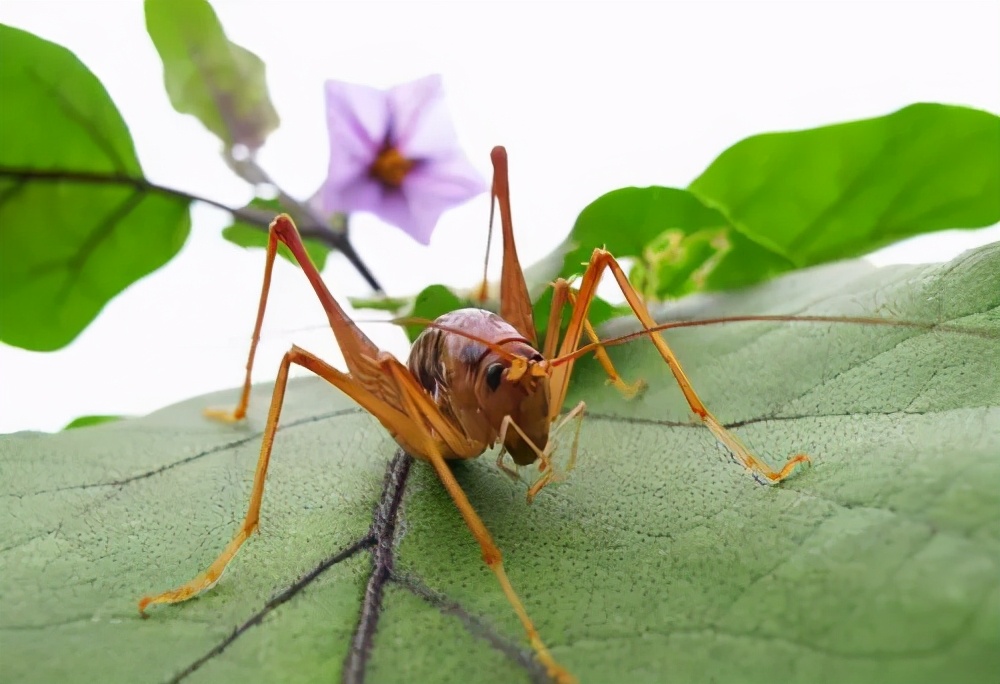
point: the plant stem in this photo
(311, 226)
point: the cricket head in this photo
(516, 385)
(488, 377)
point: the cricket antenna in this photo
(498, 155)
(484, 288)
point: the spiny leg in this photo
(577, 413)
(422, 410)
(351, 340)
(208, 578)
(562, 293)
(240, 411)
(561, 371)
(515, 303)
(549, 473)
(512, 473)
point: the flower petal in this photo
(453, 180)
(357, 117)
(435, 187)
(423, 127)
(357, 113)
(412, 118)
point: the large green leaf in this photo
(658, 560)
(78, 223)
(209, 76)
(772, 203)
(844, 190)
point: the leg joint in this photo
(492, 557)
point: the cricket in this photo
(473, 380)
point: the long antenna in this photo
(484, 288)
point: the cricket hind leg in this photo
(352, 341)
(601, 260)
(207, 579)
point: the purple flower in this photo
(395, 154)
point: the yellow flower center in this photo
(391, 167)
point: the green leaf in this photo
(625, 221)
(249, 235)
(393, 305)
(437, 300)
(780, 201)
(844, 190)
(666, 230)
(208, 76)
(90, 421)
(78, 223)
(431, 302)
(657, 560)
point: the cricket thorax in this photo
(476, 386)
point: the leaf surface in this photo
(80, 223)
(845, 190)
(779, 201)
(657, 560)
(221, 83)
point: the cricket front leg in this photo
(544, 456)
(601, 260)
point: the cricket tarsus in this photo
(473, 380)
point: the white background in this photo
(587, 97)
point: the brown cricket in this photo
(474, 379)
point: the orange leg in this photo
(546, 466)
(412, 427)
(353, 343)
(515, 304)
(563, 294)
(424, 413)
(561, 370)
(208, 578)
(550, 474)
(386, 389)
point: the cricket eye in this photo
(493, 374)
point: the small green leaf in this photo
(208, 76)
(675, 258)
(657, 560)
(641, 222)
(625, 221)
(841, 191)
(393, 305)
(247, 235)
(431, 302)
(89, 421)
(79, 222)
